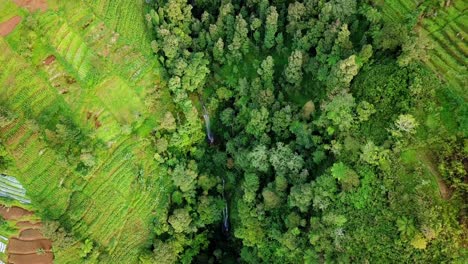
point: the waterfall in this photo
(206, 116)
(225, 215)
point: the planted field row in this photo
(26, 91)
(40, 173)
(99, 81)
(106, 204)
(124, 58)
(68, 44)
(126, 18)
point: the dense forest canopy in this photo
(318, 112)
(240, 131)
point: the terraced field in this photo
(447, 29)
(78, 59)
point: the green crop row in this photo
(126, 18)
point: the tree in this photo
(195, 73)
(218, 51)
(343, 73)
(345, 175)
(301, 196)
(259, 158)
(258, 123)
(165, 252)
(271, 199)
(251, 229)
(184, 178)
(271, 26)
(281, 121)
(266, 72)
(364, 111)
(86, 248)
(337, 113)
(180, 220)
(293, 71)
(209, 210)
(168, 122)
(296, 12)
(285, 161)
(324, 188)
(240, 40)
(4, 157)
(343, 45)
(390, 36)
(6, 117)
(308, 109)
(419, 242)
(414, 48)
(250, 186)
(60, 237)
(406, 124)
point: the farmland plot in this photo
(74, 70)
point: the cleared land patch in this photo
(49, 59)
(8, 26)
(13, 213)
(32, 5)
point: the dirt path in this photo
(32, 5)
(49, 60)
(8, 26)
(429, 163)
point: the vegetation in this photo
(328, 124)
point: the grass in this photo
(9, 10)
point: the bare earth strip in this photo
(8, 26)
(13, 213)
(44, 258)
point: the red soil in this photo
(13, 213)
(8, 26)
(35, 258)
(30, 234)
(30, 247)
(27, 224)
(32, 5)
(49, 60)
(17, 246)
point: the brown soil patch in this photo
(31, 246)
(30, 234)
(32, 5)
(45, 258)
(27, 224)
(18, 246)
(13, 213)
(49, 60)
(8, 26)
